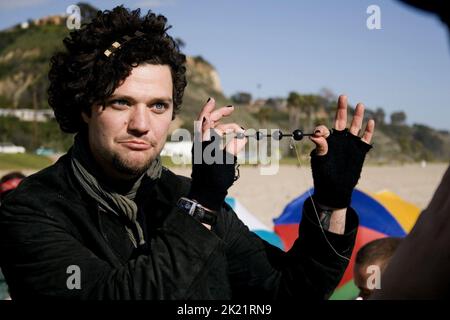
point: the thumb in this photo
(319, 139)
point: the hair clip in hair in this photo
(116, 45)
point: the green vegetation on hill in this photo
(23, 161)
(34, 135)
(24, 64)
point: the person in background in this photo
(371, 260)
(420, 268)
(8, 183)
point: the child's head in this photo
(9, 182)
(371, 260)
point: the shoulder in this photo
(43, 187)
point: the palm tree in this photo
(264, 115)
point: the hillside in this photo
(24, 57)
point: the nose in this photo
(139, 120)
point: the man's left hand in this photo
(339, 156)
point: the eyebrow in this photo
(131, 99)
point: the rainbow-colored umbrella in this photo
(380, 215)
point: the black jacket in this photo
(49, 224)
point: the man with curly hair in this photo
(108, 221)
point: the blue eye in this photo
(160, 106)
(122, 102)
(119, 103)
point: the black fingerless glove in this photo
(337, 173)
(210, 181)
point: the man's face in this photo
(128, 133)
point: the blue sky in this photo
(270, 48)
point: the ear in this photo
(87, 114)
(85, 117)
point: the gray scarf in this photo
(83, 165)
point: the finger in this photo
(200, 125)
(321, 131)
(206, 128)
(222, 130)
(233, 144)
(206, 122)
(321, 145)
(228, 127)
(236, 145)
(207, 108)
(340, 122)
(219, 132)
(218, 114)
(368, 133)
(229, 130)
(357, 119)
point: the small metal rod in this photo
(277, 135)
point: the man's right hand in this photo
(213, 174)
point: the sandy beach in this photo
(266, 195)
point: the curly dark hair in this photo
(82, 75)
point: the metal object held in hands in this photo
(277, 135)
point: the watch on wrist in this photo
(197, 211)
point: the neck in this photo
(118, 181)
(103, 169)
(106, 174)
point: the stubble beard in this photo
(127, 168)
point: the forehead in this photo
(147, 81)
